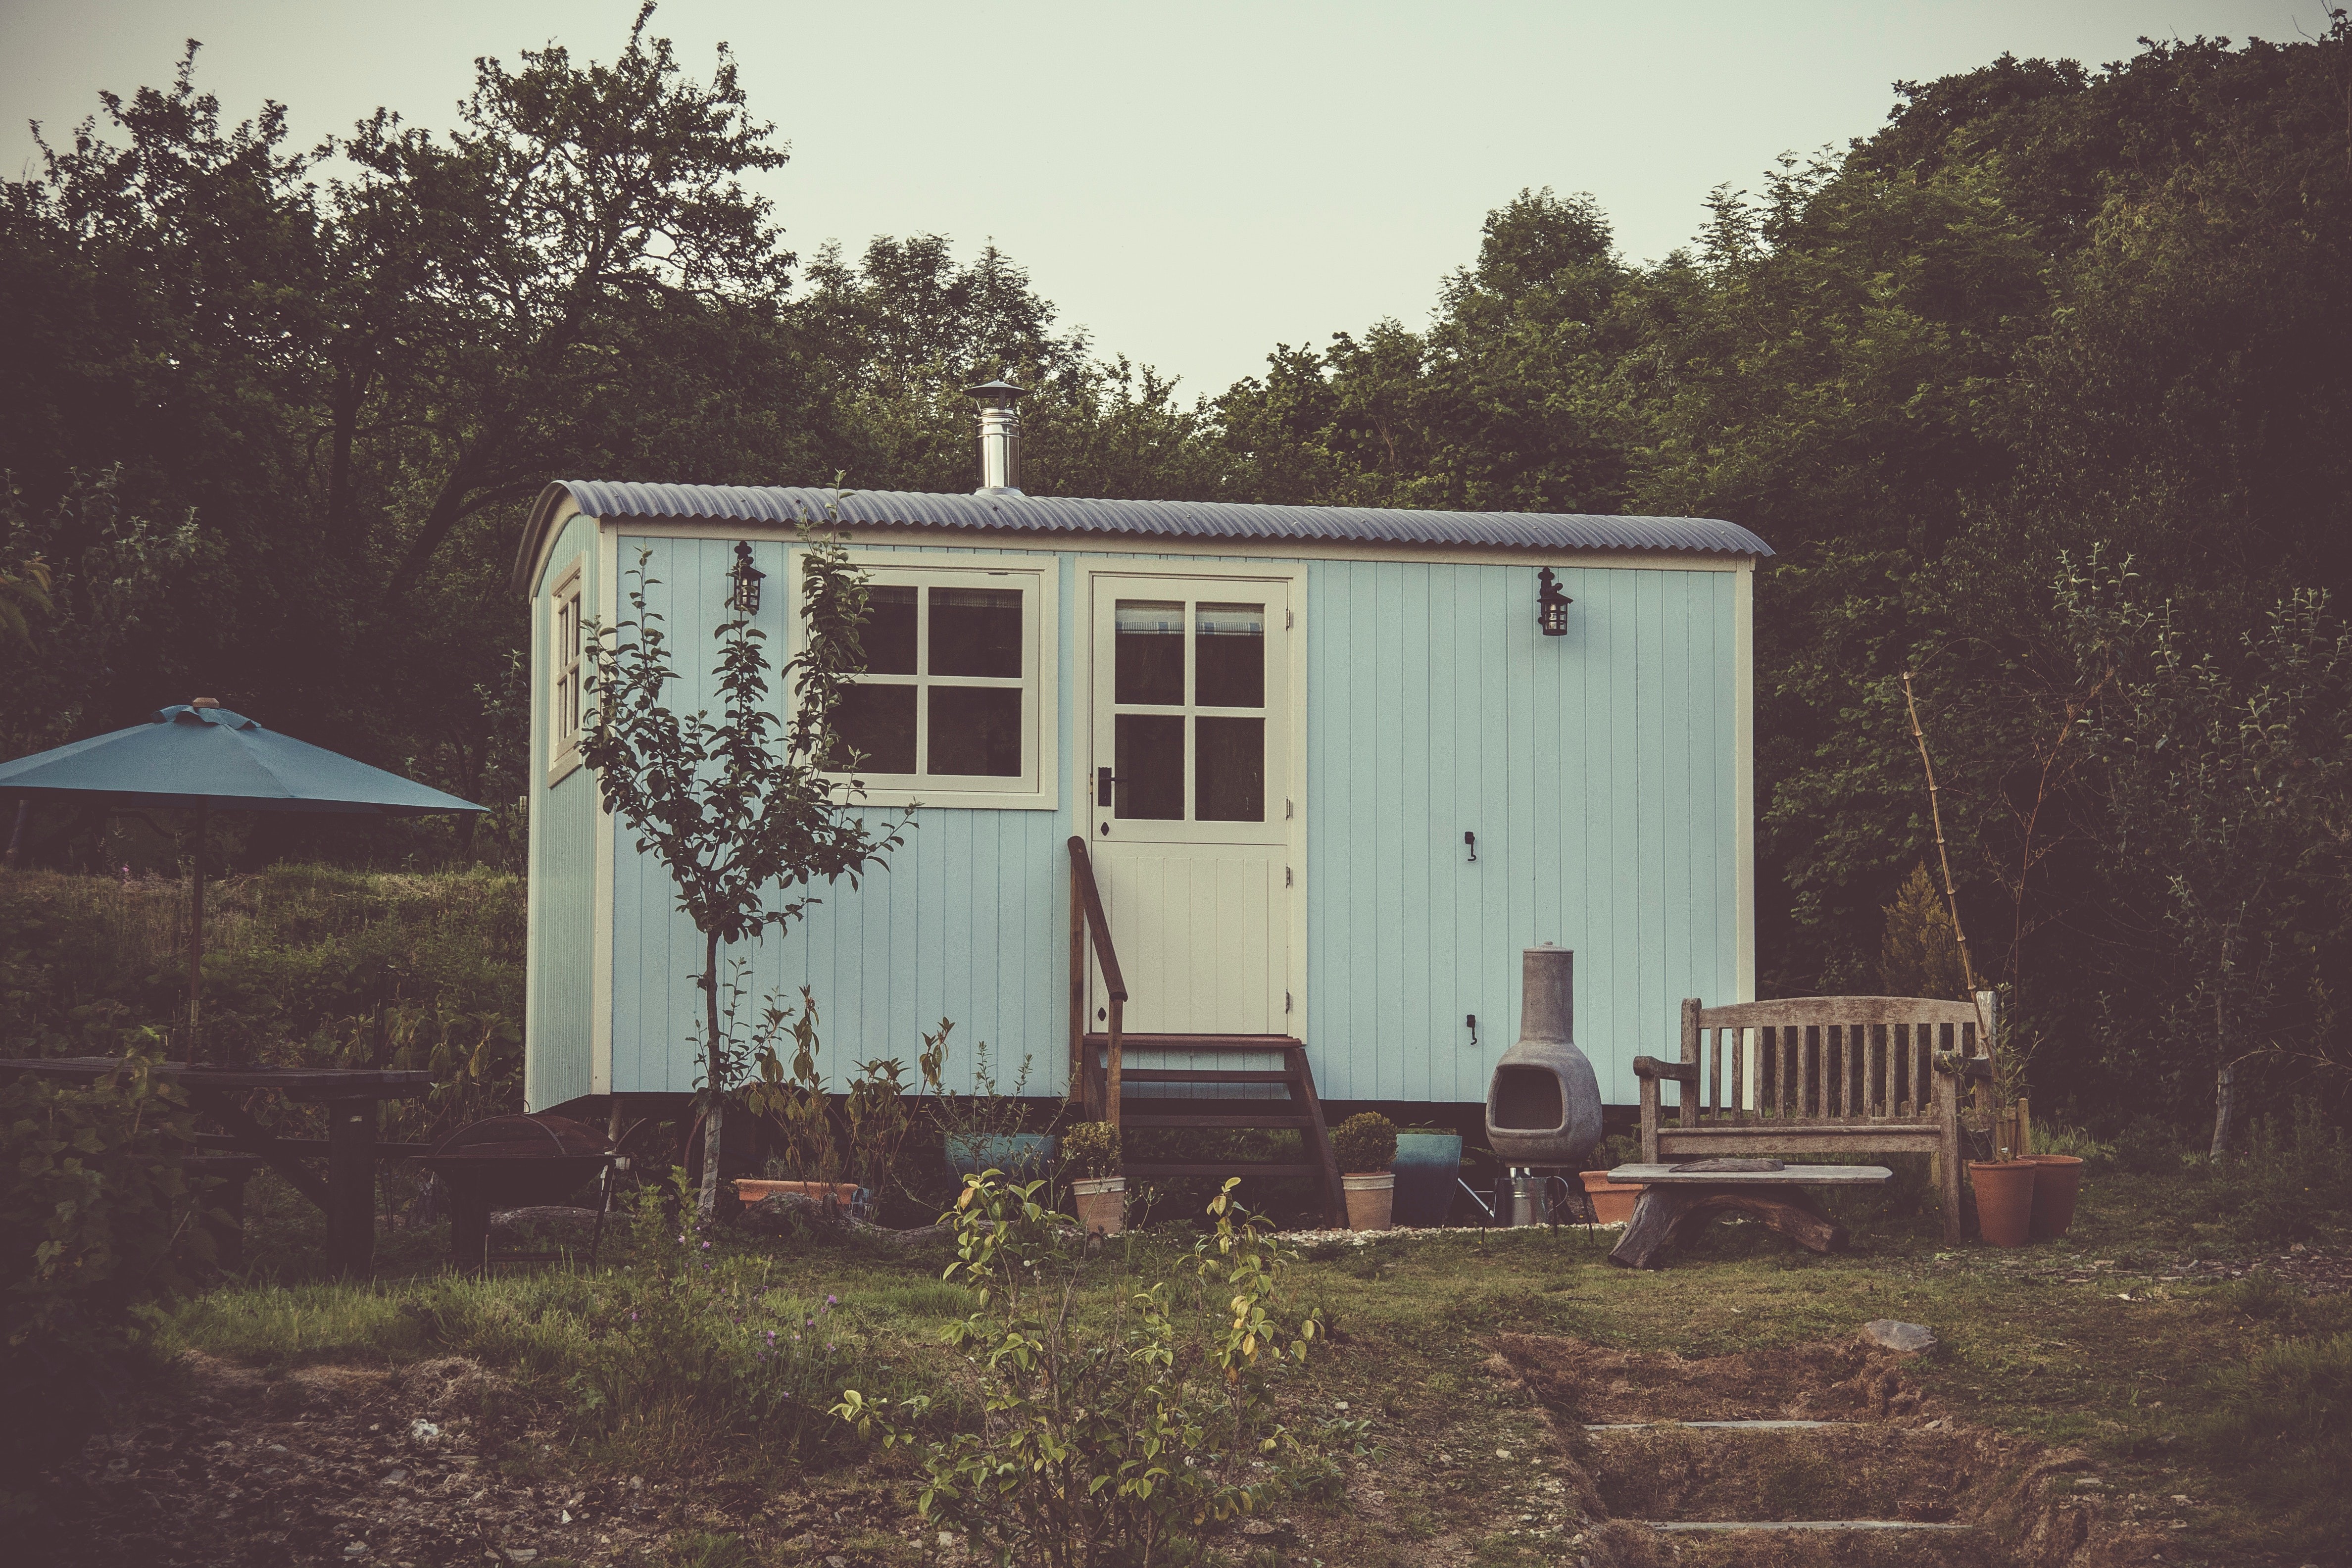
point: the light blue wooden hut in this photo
(1333, 772)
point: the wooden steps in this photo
(1300, 1111)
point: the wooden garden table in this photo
(1675, 1203)
(351, 1096)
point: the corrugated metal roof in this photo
(1008, 512)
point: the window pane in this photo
(1229, 655)
(975, 730)
(1231, 770)
(1150, 637)
(889, 634)
(975, 631)
(1149, 749)
(878, 724)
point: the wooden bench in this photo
(1677, 1200)
(1821, 1075)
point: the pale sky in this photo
(1193, 183)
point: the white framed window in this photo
(956, 704)
(566, 645)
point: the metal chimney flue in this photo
(1000, 435)
(1543, 1104)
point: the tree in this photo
(736, 806)
(2229, 795)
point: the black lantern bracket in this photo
(1551, 604)
(743, 597)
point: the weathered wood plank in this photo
(1795, 1175)
(1802, 1138)
(1817, 1010)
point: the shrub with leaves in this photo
(1091, 1150)
(1109, 1444)
(2291, 1180)
(98, 1216)
(1365, 1142)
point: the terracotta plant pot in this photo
(1102, 1204)
(2004, 1190)
(1612, 1202)
(1370, 1193)
(845, 1193)
(2057, 1181)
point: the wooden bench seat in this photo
(1819, 1075)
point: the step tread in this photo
(1729, 1524)
(1782, 1426)
(1203, 1042)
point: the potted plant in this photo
(1428, 1164)
(1091, 1150)
(2004, 1186)
(1612, 1202)
(1366, 1146)
(981, 1130)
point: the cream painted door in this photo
(1191, 796)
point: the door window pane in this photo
(975, 730)
(1149, 765)
(888, 634)
(1229, 655)
(975, 631)
(1229, 770)
(878, 724)
(1150, 637)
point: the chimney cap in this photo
(997, 392)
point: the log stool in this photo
(1677, 1201)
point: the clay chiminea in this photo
(1543, 1104)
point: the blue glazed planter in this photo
(1021, 1156)
(1427, 1165)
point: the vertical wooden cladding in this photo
(557, 1024)
(968, 921)
(1597, 770)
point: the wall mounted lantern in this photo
(744, 596)
(1551, 604)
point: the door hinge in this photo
(1286, 876)
(1286, 808)
(1286, 1001)
(1290, 621)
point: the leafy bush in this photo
(2283, 1424)
(1091, 1149)
(1109, 1445)
(2288, 1181)
(1365, 1141)
(2147, 1147)
(98, 1216)
(2057, 1138)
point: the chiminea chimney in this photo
(1000, 435)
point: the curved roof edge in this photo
(1009, 511)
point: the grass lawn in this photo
(2116, 1342)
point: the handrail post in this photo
(1118, 1033)
(1078, 1088)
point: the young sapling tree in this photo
(738, 806)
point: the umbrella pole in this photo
(197, 933)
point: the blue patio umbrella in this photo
(198, 756)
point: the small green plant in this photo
(1108, 1445)
(2290, 1181)
(988, 1111)
(1091, 1150)
(1366, 1141)
(2148, 1147)
(2283, 1423)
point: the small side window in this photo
(563, 687)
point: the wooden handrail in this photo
(1086, 914)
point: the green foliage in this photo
(740, 806)
(2290, 1181)
(97, 1217)
(1091, 1149)
(2148, 1147)
(1111, 1445)
(2280, 1425)
(1365, 1141)
(1919, 955)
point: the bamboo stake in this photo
(1935, 814)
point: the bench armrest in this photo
(1651, 1066)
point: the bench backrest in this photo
(1822, 1059)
